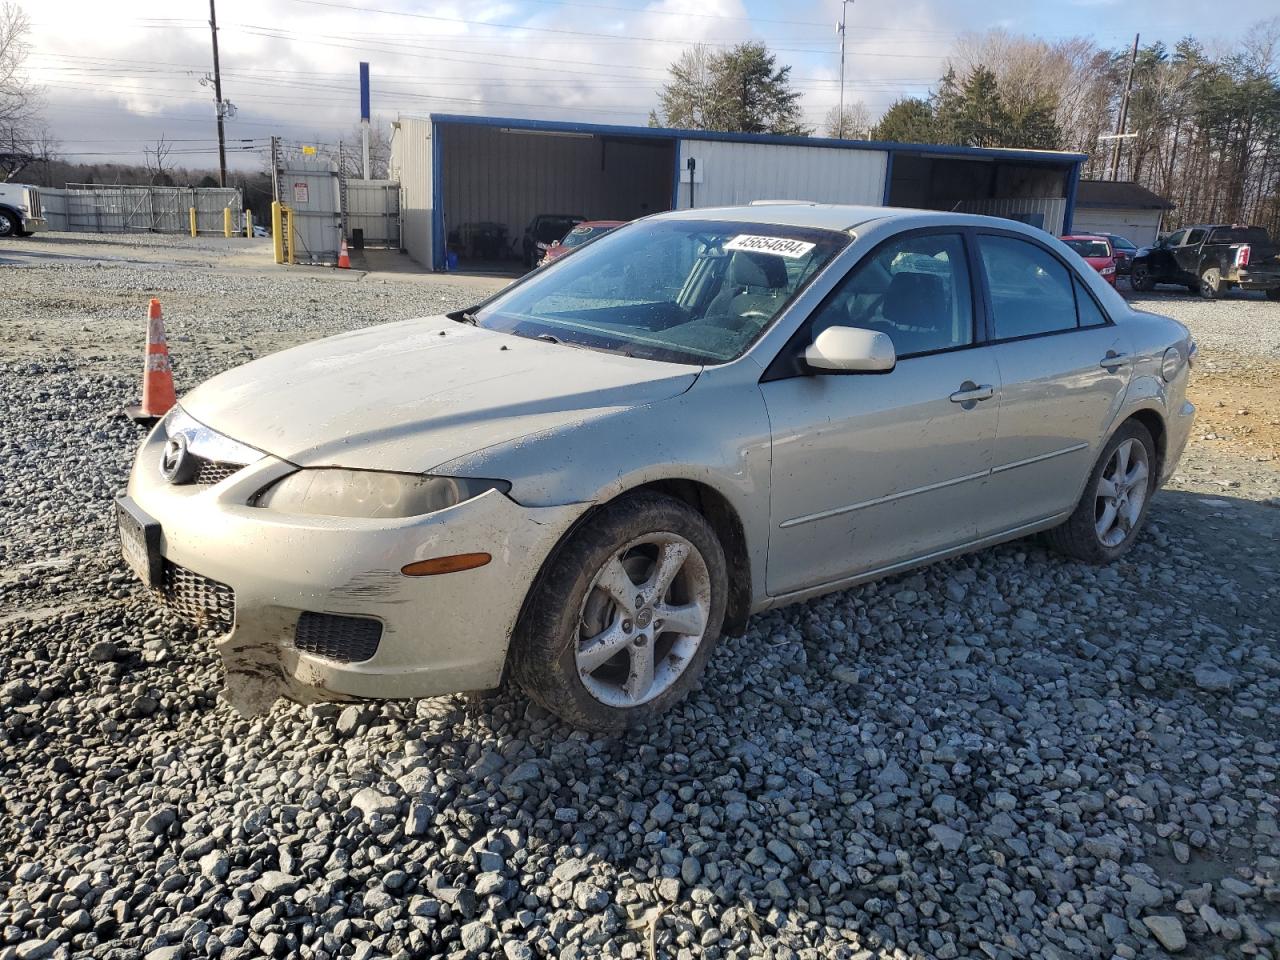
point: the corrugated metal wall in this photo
(494, 176)
(1140, 226)
(53, 205)
(729, 173)
(1047, 213)
(411, 165)
(98, 208)
(373, 207)
(309, 186)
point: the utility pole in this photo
(217, 96)
(1123, 119)
(844, 9)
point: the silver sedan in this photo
(583, 482)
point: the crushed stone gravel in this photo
(1007, 755)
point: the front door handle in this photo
(970, 393)
(1113, 361)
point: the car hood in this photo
(411, 395)
(1099, 262)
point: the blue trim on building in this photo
(1073, 184)
(675, 187)
(603, 129)
(888, 179)
(438, 251)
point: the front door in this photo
(1064, 368)
(1187, 256)
(871, 470)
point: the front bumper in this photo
(1178, 432)
(34, 224)
(440, 634)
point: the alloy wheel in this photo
(643, 619)
(6, 225)
(1121, 493)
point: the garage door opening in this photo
(496, 180)
(1030, 192)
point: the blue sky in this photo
(118, 76)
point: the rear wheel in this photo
(624, 618)
(1111, 512)
(1211, 285)
(1140, 278)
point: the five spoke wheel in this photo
(1121, 493)
(643, 619)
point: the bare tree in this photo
(19, 100)
(687, 99)
(157, 159)
(352, 161)
(855, 125)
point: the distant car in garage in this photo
(1124, 249)
(544, 230)
(587, 230)
(1097, 252)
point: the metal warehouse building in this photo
(460, 175)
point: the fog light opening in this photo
(438, 565)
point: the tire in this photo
(1080, 535)
(1211, 285)
(8, 224)
(569, 606)
(1273, 293)
(1140, 278)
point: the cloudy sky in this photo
(119, 75)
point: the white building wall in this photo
(732, 173)
(1140, 226)
(411, 165)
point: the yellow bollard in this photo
(193, 221)
(277, 230)
(226, 222)
(248, 224)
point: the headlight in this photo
(364, 493)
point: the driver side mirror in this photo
(851, 350)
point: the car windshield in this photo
(686, 291)
(1239, 235)
(551, 229)
(580, 235)
(1089, 248)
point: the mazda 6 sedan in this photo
(586, 480)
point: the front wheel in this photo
(1140, 278)
(1107, 519)
(1211, 287)
(623, 619)
(8, 224)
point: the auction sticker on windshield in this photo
(778, 245)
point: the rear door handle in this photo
(971, 392)
(1113, 361)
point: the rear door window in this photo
(1031, 290)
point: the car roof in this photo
(839, 217)
(1084, 236)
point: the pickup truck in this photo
(20, 213)
(1210, 259)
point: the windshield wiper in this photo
(462, 316)
(548, 338)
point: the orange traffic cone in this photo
(344, 260)
(157, 373)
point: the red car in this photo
(580, 234)
(1098, 251)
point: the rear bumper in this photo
(1256, 281)
(440, 634)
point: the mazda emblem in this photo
(175, 465)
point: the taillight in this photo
(1242, 255)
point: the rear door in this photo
(1064, 367)
(1187, 255)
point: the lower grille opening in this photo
(212, 471)
(344, 639)
(198, 600)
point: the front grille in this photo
(198, 600)
(212, 471)
(345, 639)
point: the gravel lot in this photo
(1003, 756)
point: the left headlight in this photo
(333, 492)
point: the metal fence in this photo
(309, 187)
(373, 208)
(97, 208)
